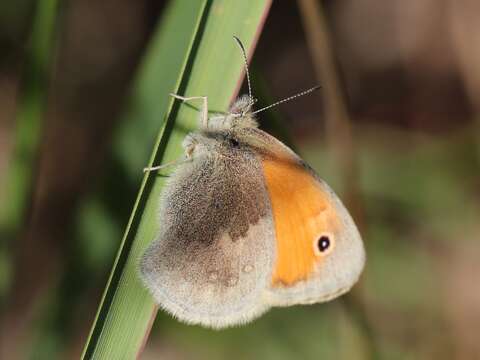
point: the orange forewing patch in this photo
(301, 211)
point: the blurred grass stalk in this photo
(339, 137)
(338, 123)
(198, 36)
(31, 104)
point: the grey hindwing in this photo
(214, 254)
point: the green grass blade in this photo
(213, 67)
(15, 194)
(30, 110)
(173, 40)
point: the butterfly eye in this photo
(323, 245)
(233, 142)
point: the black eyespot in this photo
(233, 142)
(323, 243)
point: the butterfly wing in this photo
(306, 210)
(213, 258)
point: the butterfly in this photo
(246, 225)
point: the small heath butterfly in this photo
(247, 225)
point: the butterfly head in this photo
(240, 115)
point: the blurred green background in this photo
(394, 130)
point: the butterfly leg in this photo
(189, 144)
(204, 105)
(189, 149)
(170, 163)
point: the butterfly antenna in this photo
(245, 61)
(305, 92)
